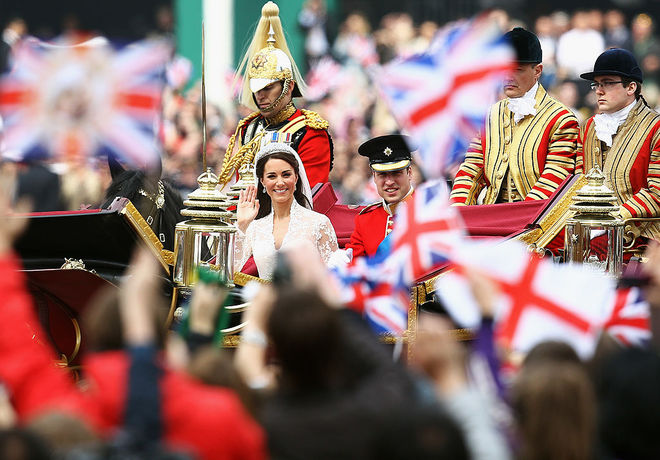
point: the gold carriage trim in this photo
(146, 233)
(241, 279)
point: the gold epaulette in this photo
(371, 207)
(230, 162)
(246, 120)
(314, 120)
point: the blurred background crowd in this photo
(341, 90)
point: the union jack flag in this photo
(442, 97)
(84, 100)
(629, 319)
(318, 82)
(366, 288)
(426, 229)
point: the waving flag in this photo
(319, 83)
(539, 300)
(425, 231)
(87, 99)
(366, 287)
(629, 319)
(442, 97)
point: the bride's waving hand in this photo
(247, 209)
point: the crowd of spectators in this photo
(341, 90)
(308, 380)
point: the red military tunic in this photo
(372, 225)
(309, 138)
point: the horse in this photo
(156, 200)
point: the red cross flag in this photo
(537, 300)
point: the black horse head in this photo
(156, 200)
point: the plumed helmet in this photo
(268, 58)
(267, 66)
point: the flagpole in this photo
(203, 104)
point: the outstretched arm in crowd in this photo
(28, 368)
(443, 360)
(138, 297)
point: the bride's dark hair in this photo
(264, 200)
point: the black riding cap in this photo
(526, 44)
(616, 61)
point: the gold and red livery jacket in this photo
(632, 164)
(372, 225)
(537, 153)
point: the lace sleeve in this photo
(242, 247)
(326, 241)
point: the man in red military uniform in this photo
(389, 158)
(271, 81)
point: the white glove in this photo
(340, 258)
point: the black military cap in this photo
(526, 44)
(615, 61)
(387, 153)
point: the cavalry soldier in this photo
(389, 158)
(271, 81)
(529, 142)
(623, 138)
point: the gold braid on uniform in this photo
(247, 152)
(314, 120)
(233, 162)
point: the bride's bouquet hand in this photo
(248, 207)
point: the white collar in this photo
(607, 124)
(524, 105)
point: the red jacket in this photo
(313, 145)
(372, 225)
(207, 421)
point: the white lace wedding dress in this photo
(304, 224)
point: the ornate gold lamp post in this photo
(595, 206)
(207, 238)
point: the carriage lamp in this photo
(594, 235)
(207, 238)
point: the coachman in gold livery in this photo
(624, 140)
(528, 145)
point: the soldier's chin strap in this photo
(285, 89)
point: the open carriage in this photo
(69, 256)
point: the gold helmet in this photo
(268, 59)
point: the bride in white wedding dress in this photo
(277, 212)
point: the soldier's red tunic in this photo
(372, 225)
(312, 144)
